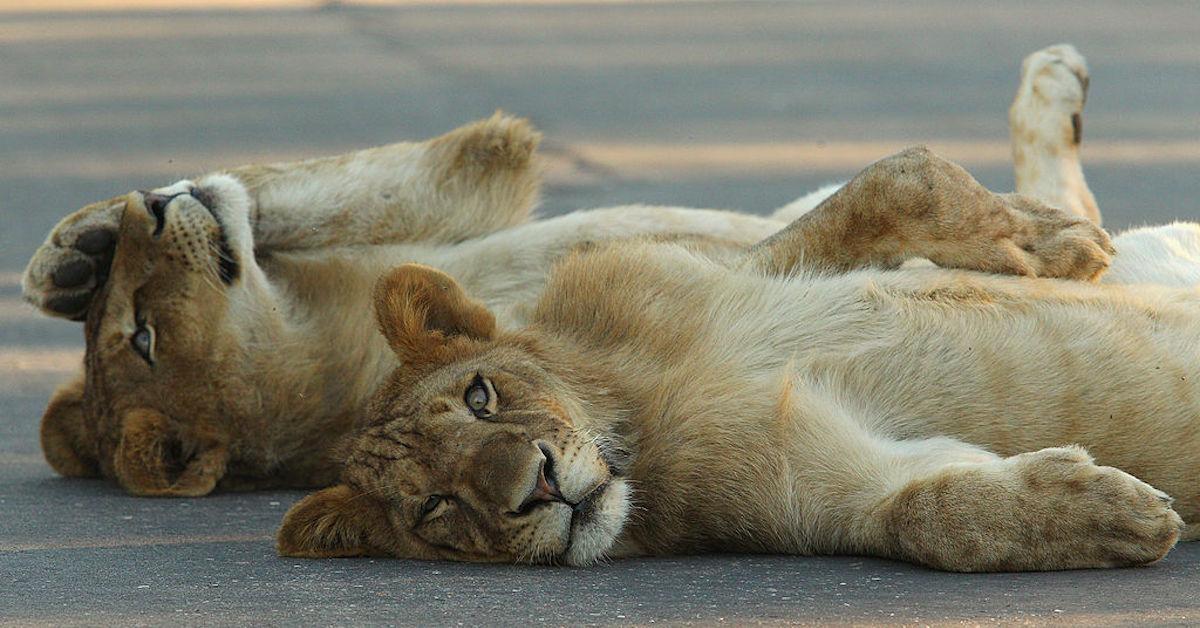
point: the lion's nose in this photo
(545, 489)
(156, 204)
(203, 197)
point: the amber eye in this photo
(430, 504)
(143, 342)
(478, 398)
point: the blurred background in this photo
(719, 104)
(742, 105)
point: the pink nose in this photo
(546, 489)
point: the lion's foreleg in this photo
(916, 204)
(949, 505)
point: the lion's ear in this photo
(419, 309)
(64, 440)
(334, 522)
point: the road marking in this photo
(107, 543)
(671, 160)
(21, 459)
(10, 279)
(653, 161)
(13, 310)
(52, 6)
(27, 360)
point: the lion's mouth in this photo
(228, 267)
(204, 198)
(583, 514)
(584, 511)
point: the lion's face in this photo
(155, 331)
(471, 451)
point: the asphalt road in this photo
(742, 106)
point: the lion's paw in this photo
(1049, 102)
(501, 143)
(1048, 242)
(1095, 516)
(73, 262)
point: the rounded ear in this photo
(335, 522)
(63, 436)
(154, 458)
(420, 310)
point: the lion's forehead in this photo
(396, 460)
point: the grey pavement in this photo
(739, 105)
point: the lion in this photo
(228, 337)
(796, 400)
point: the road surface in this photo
(720, 105)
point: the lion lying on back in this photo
(660, 402)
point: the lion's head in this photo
(472, 451)
(154, 330)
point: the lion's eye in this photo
(478, 398)
(430, 504)
(143, 342)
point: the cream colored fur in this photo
(890, 413)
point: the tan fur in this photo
(63, 432)
(931, 416)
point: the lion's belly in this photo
(1010, 365)
(1115, 371)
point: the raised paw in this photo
(1094, 516)
(1046, 123)
(1049, 102)
(73, 263)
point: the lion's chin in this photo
(227, 200)
(594, 532)
(230, 204)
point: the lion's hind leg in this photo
(917, 204)
(472, 181)
(1046, 126)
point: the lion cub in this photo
(661, 402)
